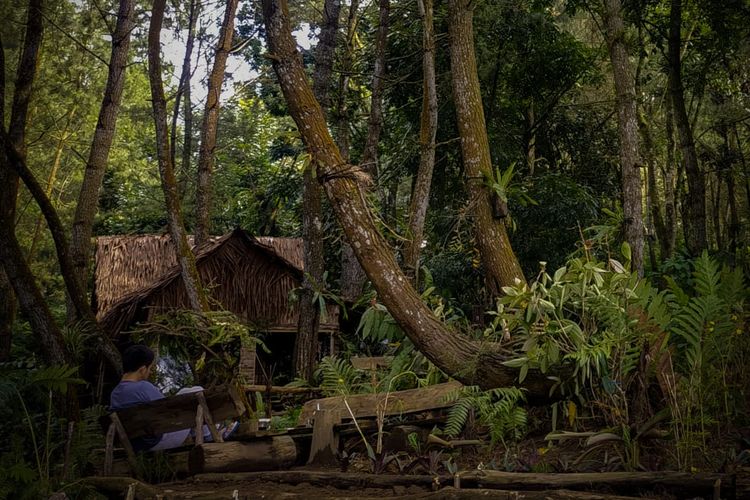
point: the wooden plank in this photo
(125, 441)
(198, 429)
(279, 389)
(367, 405)
(324, 440)
(177, 412)
(208, 418)
(371, 362)
(109, 448)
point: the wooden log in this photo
(326, 478)
(674, 482)
(278, 389)
(278, 452)
(368, 405)
(119, 486)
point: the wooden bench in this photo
(184, 411)
(328, 413)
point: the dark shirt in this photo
(131, 393)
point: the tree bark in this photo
(73, 286)
(183, 89)
(694, 223)
(15, 267)
(209, 126)
(185, 257)
(420, 197)
(375, 122)
(8, 304)
(277, 452)
(669, 178)
(88, 197)
(469, 361)
(500, 264)
(306, 344)
(352, 274)
(632, 203)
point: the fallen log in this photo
(333, 479)
(120, 486)
(278, 452)
(674, 482)
(277, 389)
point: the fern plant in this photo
(496, 409)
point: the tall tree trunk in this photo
(420, 196)
(734, 219)
(654, 204)
(375, 122)
(8, 178)
(7, 305)
(195, 292)
(670, 187)
(88, 197)
(500, 264)
(352, 275)
(183, 89)
(531, 138)
(467, 360)
(632, 194)
(306, 344)
(694, 223)
(209, 126)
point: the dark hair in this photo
(136, 356)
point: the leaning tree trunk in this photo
(420, 197)
(470, 361)
(306, 344)
(195, 293)
(73, 286)
(501, 266)
(8, 178)
(210, 123)
(88, 197)
(632, 195)
(694, 223)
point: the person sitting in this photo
(135, 389)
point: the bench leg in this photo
(324, 439)
(125, 444)
(208, 418)
(109, 446)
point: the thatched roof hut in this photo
(137, 276)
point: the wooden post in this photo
(125, 443)
(109, 449)
(324, 440)
(199, 425)
(208, 418)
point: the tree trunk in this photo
(7, 305)
(654, 204)
(628, 132)
(88, 197)
(8, 177)
(185, 258)
(668, 176)
(694, 223)
(420, 197)
(209, 126)
(469, 361)
(501, 266)
(183, 89)
(73, 285)
(352, 275)
(375, 123)
(306, 344)
(277, 452)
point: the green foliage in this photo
(209, 342)
(497, 409)
(338, 377)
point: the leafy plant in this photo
(496, 409)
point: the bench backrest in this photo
(177, 412)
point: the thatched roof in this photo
(137, 276)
